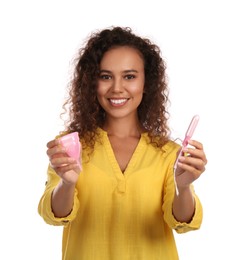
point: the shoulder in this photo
(169, 146)
(166, 154)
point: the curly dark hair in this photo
(85, 112)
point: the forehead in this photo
(122, 56)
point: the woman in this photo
(122, 204)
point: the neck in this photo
(123, 127)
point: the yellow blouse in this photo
(121, 216)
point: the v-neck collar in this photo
(112, 158)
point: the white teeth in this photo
(118, 101)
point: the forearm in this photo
(62, 199)
(184, 205)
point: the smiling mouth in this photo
(118, 101)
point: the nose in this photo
(117, 85)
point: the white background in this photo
(203, 43)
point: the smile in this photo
(118, 102)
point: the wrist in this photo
(184, 189)
(66, 184)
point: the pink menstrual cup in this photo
(72, 145)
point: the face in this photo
(121, 82)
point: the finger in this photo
(52, 143)
(196, 144)
(63, 170)
(74, 167)
(57, 162)
(191, 152)
(190, 169)
(196, 163)
(57, 149)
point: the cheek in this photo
(100, 94)
(138, 87)
(101, 89)
(137, 90)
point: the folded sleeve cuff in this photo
(46, 212)
(182, 227)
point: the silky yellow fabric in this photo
(121, 216)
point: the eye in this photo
(130, 76)
(105, 76)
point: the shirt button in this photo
(121, 186)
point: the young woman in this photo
(122, 204)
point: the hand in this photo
(191, 166)
(66, 167)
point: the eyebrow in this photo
(125, 71)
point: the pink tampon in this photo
(190, 130)
(185, 142)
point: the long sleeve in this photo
(44, 207)
(179, 227)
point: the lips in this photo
(118, 101)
